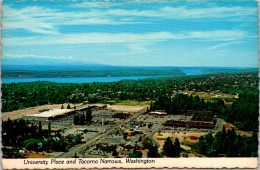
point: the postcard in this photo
(129, 84)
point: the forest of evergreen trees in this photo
(227, 144)
(22, 95)
(22, 134)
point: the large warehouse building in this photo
(50, 114)
(198, 119)
(202, 121)
(59, 113)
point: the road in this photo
(150, 135)
(80, 147)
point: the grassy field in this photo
(126, 102)
(212, 95)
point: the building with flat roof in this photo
(202, 121)
(158, 113)
(45, 114)
(49, 115)
(196, 121)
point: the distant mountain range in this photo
(98, 70)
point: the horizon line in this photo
(120, 65)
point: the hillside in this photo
(90, 73)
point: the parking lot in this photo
(126, 131)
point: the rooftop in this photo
(52, 129)
(159, 113)
(52, 113)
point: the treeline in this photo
(227, 144)
(22, 95)
(243, 113)
(170, 149)
(91, 73)
(14, 133)
(229, 70)
(19, 134)
(179, 103)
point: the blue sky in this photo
(131, 33)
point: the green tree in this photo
(177, 147)
(125, 136)
(151, 106)
(140, 139)
(135, 154)
(89, 115)
(114, 153)
(40, 129)
(153, 152)
(77, 139)
(82, 119)
(49, 128)
(76, 120)
(32, 144)
(170, 149)
(146, 143)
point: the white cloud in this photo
(181, 12)
(218, 35)
(223, 44)
(34, 56)
(210, 12)
(47, 21)
(96, 4)
(32, 19)
(138, 47)
(84, 38)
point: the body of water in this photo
(193, 70)
(186, 70)
(76, 79)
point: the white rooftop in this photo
(159, 113)
(51, 113)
